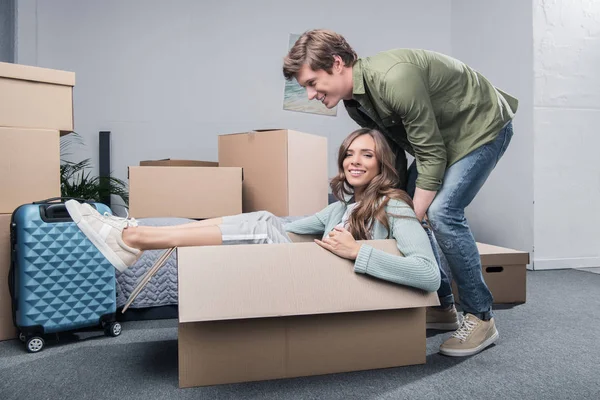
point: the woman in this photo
(369, 207)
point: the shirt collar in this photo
(358, 85)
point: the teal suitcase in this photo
(58, 280)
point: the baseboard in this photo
(566, 263)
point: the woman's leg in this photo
(230, 220)
(152, 237)
(193, 224)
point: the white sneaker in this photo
(105, 232)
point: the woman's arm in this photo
(417, 267)
(313, 225)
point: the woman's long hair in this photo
(377, 193)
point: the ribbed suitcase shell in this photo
(62, 282)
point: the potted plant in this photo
(76, 179)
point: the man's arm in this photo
(422, 200)
(405, 91)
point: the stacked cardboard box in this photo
(184, 188)
(285, 171)
(36, 107)
(504, 272)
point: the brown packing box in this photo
(167, 162)
(34, 97)
(29, 165)
(257, 312)
(504, 272)
(285, 172)
(7, 329)
(187, 192)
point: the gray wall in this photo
(496, 38)
(167, 77)
(7, 30)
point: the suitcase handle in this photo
(63, 199)
(55, 212)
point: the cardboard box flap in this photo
(170, 162)
(255, 281)
(37, 74)
(495, 255)
(254, 131)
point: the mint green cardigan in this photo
(417, 267)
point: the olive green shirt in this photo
(430, 105)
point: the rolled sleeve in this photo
(362, 260)
(404, 89)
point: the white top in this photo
(346, 216)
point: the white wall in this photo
(495, 38)
(167, 77)
(567, 115)
(7, 30)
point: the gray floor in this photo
(595, 270)
(549, 348)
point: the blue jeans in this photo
(446, 214)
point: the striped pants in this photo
(259, 227)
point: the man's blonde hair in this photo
(317, 48)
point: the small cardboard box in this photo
(504, 272)
(285, 172)
(29, 165)
(167, 162)
(187, 192)
(34, 97)
(7, 329)
(257, 312)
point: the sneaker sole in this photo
(441, 326)
(470, 352)
(88, 231)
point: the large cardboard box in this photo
(7, 329)
(34, 97)
(285, 172)
(187, 192)
(256, 312)
(504, 272)
(29, 166)
(168, 162)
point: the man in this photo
(457, 126)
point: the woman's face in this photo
(361, 164)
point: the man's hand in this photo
(341, 243)
(422, 200)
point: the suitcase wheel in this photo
(22, 337)
(113, 329)
(35, 344)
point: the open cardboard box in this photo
(257, 312)
(34, 97)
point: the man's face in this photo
(327, 88)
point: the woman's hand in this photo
(341, 243)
